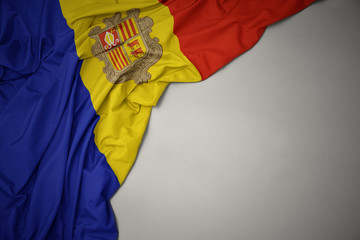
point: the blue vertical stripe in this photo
(54, 182)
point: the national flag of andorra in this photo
(78, 80)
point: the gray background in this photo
(267, 148)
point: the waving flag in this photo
(78, 80)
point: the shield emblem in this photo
(126, 48)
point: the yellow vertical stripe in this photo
(122, 55)
(112, 63)
(125, 108)
(116, 62)
(124, 29)
(136, 28)
(131, 24)
(120, 33)
(118, 54)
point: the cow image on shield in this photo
(126, 48)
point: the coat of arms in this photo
(126, 48)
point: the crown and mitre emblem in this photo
(126, 48)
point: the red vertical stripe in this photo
(239, 25)
(112, 59)
(127, 63)
(118, 55)
(127, 29)
(122, 32)
(132, 26)
(117, 60)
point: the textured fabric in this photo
(212, 33)
(54, 182)
(78, 80)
